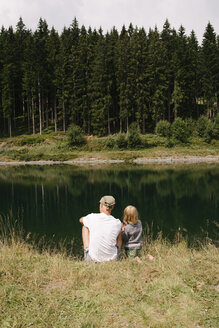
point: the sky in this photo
(192, 14)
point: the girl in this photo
(132, 232)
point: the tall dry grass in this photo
(50, 289)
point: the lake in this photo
(49, 200)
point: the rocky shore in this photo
(142, 160)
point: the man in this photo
(101, 233)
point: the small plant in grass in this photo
(163, 128)
(179, 130)
(75, 136)
(121, 141)
(134, 139)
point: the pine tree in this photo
(8, 76)
(157, 78)
(53, 47)
(41, 39)
(210, 65)
(168, 36)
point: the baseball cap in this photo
(108, 201)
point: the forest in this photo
(104, 82)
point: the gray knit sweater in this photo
(132, 236)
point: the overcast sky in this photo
(192, 14)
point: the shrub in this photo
(170, 143)
(179, 130)
(191, 127)
(163, 128)
(121, 141)
(110, 143)
(202, 125)
(75, 136)
(209, 132)
(30, 140)
(216, 128)
(134, 139)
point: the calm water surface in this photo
(50, 200)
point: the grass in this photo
(50, 289)
(51, 146)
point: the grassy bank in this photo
(179, 289)
(51, 146)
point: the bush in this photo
(216, 128)
(134, 139)
(121, 141)
(75, 136)
(191, 127)
(110, 143)
(170, 143)
(30, 140)
(209, 132)
(202, 125)
(179, 130)
(163, 128)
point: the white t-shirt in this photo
(104, 230)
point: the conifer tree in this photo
(210, 65)
(157, 78)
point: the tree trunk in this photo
(9, 127)
(33, 118)
(28, 116)
(47, 112)
(143, 127)
(40, 109)
(63, 108)
(55, 114)
(43, 110)
(108, 122)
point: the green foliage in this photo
(209, 132)
(191, 127)
(30, 140)
(110, 142)
(75, 136)
(102, 81)
(121, 141)
(163, 128)
(134, 139)
(179, 130)
(170, 142)
(202, 125)
(216, 128)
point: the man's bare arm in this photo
(119, 240)
(81, 220)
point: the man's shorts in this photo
(88, 259)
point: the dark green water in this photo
(50, 200)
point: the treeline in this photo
(104, 82)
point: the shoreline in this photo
(141, 160)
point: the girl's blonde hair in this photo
(130, 215)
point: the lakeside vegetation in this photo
(49, 288)
(57, 147)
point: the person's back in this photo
(104, 230)
(101, 233)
